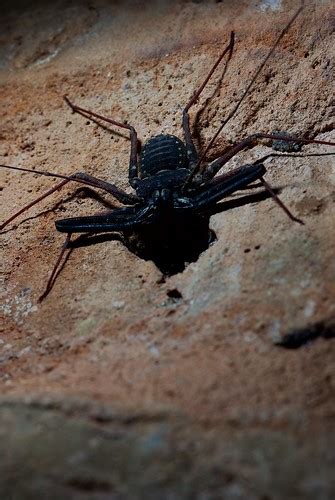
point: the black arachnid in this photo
(174, 185)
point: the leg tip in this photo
(68, 102)
(299, 221)
(42, 297)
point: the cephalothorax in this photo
(174, 185)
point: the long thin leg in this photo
(80, 177)
(279, 202)
(31, 204)
(133, 163)
(258, 71)
(86, 179)
(212, 169)
(292, 155)
(53, 274)
(70, 246)
(191, 150)
(227, 184)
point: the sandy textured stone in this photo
(112, 330)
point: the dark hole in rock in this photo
(174, 293)
(173, 242)
(301, 336)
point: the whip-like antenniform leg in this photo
(79, 177)
(197, 167)
(213, 168)
(191, 150)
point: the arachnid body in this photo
(174, 185)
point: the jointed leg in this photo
(212, 169)
(53, 274)
(133, 164)
(79, 177)
(279, 202)
(31, 204)
(119, 220)
(292, 155)
(237, 179)
(191, 150)
(245, 93)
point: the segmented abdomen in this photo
(162, 152)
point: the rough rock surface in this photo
(200, 400)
